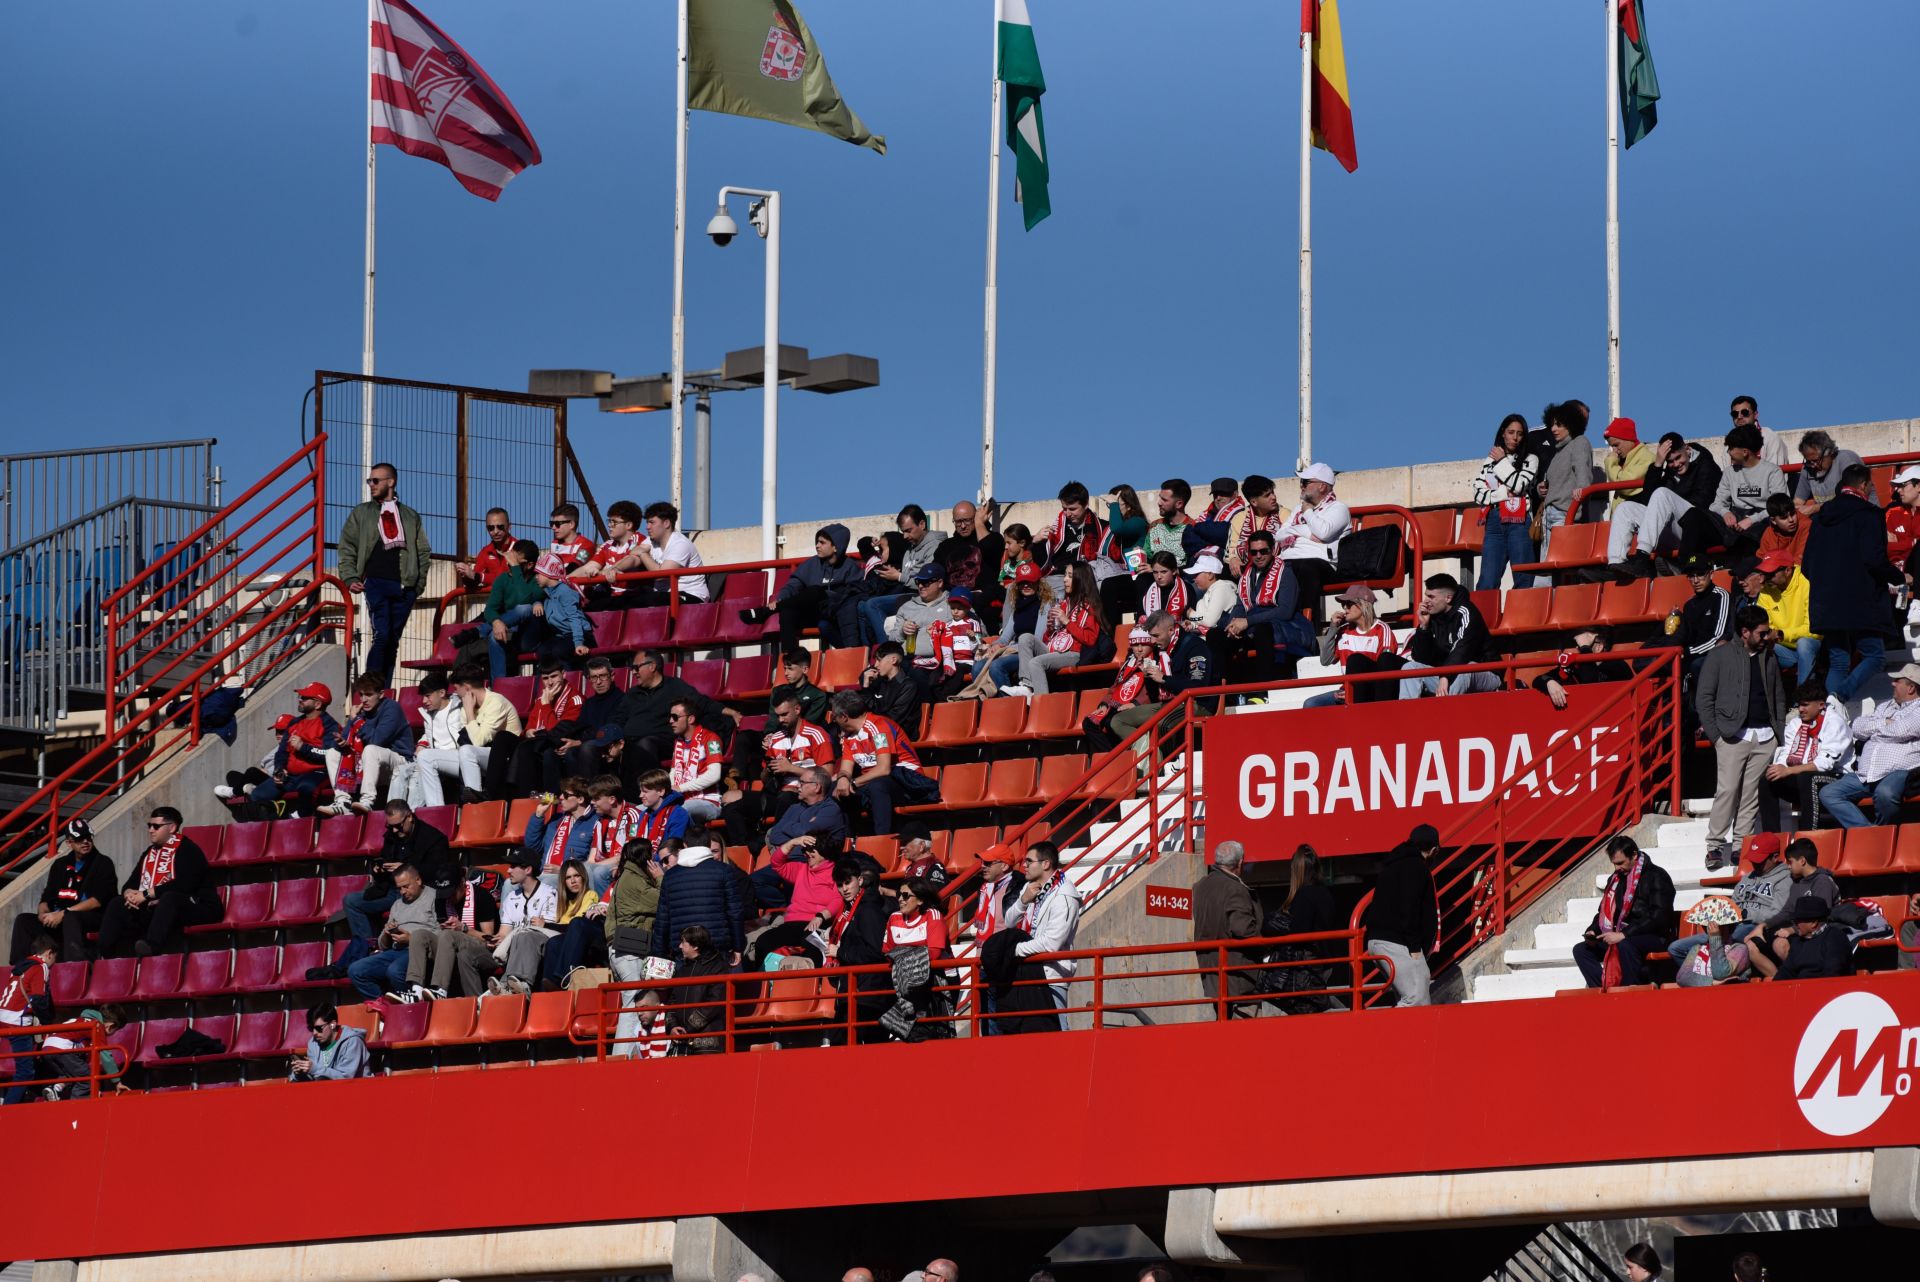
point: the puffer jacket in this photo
(699, 890)
(635, 904)
(1847, 569)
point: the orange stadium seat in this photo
(1575, 606)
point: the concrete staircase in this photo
(1543, 965)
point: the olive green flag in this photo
(757, 58)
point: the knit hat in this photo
(1424, 837)
(1622, 429)
(550, 565)
(1139, 636)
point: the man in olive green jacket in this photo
(383, 560)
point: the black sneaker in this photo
(322, 974)
(756, 614)
(1717, 858)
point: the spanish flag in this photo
(1332, 110)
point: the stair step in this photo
(1541, 982)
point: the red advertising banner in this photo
(1170, 901)
(1336, 778)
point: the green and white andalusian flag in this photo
(1020, 73)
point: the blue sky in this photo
(184, 232)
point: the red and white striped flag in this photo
(431, 100)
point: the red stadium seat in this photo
(698, 626)
(645, 629)
(730, 629)
(519, 812)
(361, 1016)
(339, 886)
(401, 1025)
(950, 725)
(159, 976)
(1622, 603)
(158, 1033)
(1051, 716)
(1058, 775)
(443, 653)
(220, 1029)
(339, 836)
(210, 973)
(1865, 852)
(1666, 594)
(111, 980)
(297, 903)
(1011, 782)
(743, 588)
(516, 690)
(1437, 528)
(839, 669)
(705, 675)
(884, 850)
(1906, 848)
(1575, 606)
(208, 837)
(1487, 601)
(262, 1035)
(749, 678)
(1525, 610)
(290, 840)
(482, 825)
(501, 1019)
(960, 786)
(1002, 720)
(295, 961)
(408, 697)
(68, 983)
(246, 843)
(962, 855)
(449, 1022)
(249, 907)
(1827, 842)
(445, 818)
(547, 1016)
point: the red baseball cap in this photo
(1775, 561)
(317, 690)
(999, 852)
(1027, 572)
(1623, 429)
(1762, 846)
(284, 721)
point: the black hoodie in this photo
(1404, 910)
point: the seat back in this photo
(1622, 603)
(949, 724)
(839, 669)
(257, 970)
(501, 1018)
(704, 675)
(644, 629)
(246, 843)
(517, 691)
(481, 824)
(964, 784)
(449, 1021)
(547, 1015)
(362, 1017)
(297, 902)
(1002, 720)
(698, 625)
(1575, 606)
(1050, 716)
(248, 905)
(445, 818)
(402, 1025)
(290, 839)
(159, 976)
(1525, 610)
(749, 676)
(209, 837)
(1012, 781)
(261, 1035)
(338, 836)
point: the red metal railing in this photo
(1170, 816)
(1414, 566)
(93, 1044)
(1494, 861)
(243, 603)
(813, 1003)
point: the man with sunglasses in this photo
(1773, 446)
(79, 886)
(169, 889)
(383, 559)
(335, 1052)
(491, 561)
(572, 547)
(408, 843)
(643, 738)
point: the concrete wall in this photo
(1120, 920)
(186, 782)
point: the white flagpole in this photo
(989, 392)
(1613, 208)
(366, 318)
(680, 257)
(1306, 250)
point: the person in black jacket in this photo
(1597, 639)
(169, 889)
(890, 688)
(1848, 576)
(700, 890)
(1635, 917)
(644, 741)
(1451, 633)
(823, 591)
(1404, 916)
(1818, 949)
(79, 887)
(1682, 482)
(408, 840)
(857, 936)
(580, 744)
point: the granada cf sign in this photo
(1356, 780)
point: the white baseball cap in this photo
(1317, 472)
(1906, 474)
(1207, 565)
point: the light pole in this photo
(764, 214)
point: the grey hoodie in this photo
(923, 613)
(1819, 883)
(347, 1057)
(1760, 896)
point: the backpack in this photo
(1372, 553)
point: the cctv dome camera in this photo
(722, 227)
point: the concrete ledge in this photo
(706, 1250)
(1608, 1191)
(639, 1247)
(1895, 1195)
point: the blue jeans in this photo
(1507, 543)
(770, 890)
(1838, 799)
(1549, 518)
(1683, 947)
(1005, 670)
(1841, 682)
(874, 613)
(379, 973)
(388, 607)
(361, 911)
(1803, 652)
(26, 1068)
(501, 654)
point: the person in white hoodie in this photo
(438, 753)
(1309, 540)
(1049, 911)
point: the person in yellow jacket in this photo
(1628, 459)
(1783, 595)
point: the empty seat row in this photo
(298, 839)
(1025, 781)
(273, 905)
(707, 625)
(219, 972)
(982, 721)
(1572, 606)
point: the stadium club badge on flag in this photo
(757, 58)
(433, 101)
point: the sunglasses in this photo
(396, 828)
(1260, 552)
(1740, 413)
(156, 823)
(497, 528)
(557, 524)
(321, 1027)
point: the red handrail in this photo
(96, 1043)
(140, 709)
(1415, 569)
(745, 1002)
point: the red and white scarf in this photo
(1061, 639)
(986, 917)
(1224, 512)
(844, 917)
(561, 829)
(611, 835)
(1096, 542)
(1806, 740)
(1268, 589)
(1176, 600)
(1132, 679)
(1271, 524)
(1620, 891)
(156, 866)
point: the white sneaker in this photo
(422, 993)
(1016, 692)
(405, 997)
(223, 791)
(494, 987)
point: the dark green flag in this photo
(757, 58)
(1639, 87)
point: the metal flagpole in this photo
(1306, 250)
(770, 390)
(680, 258)
(989, 391)
(366, 318)
(1613, 208)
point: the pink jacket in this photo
(813, 889)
